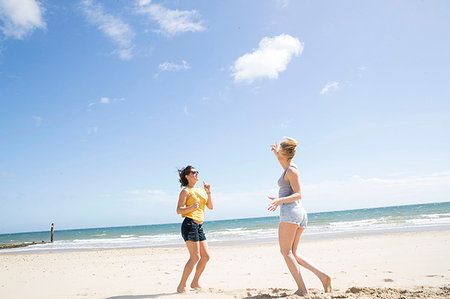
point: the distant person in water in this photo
(191, 206)
(293, 217)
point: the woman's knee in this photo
(205, 257)
(285, 251)
(194, 258)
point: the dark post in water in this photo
(51, 233)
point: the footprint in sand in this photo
(388, 280)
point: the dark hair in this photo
(183, 172)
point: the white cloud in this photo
(93, 130)
(171, 22)
(331, 195)
(105, 100)
(283, 3)
(271, 58)
(38, 120)
(329, 87)
(20, 17)
(285, 124)
(224, 93)
(149, 195)
(116, 29)
(170, 66)
(328, 195)
(359, 192)
(363, 68)
(252, 203)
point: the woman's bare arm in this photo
(294, 179)
(181, 207)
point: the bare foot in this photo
(326, 282)
(301, 293)
(181, 289)
(195, 286)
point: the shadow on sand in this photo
(141, 296)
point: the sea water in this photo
(435, 216)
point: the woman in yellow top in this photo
(191, 206)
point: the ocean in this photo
(408, 218)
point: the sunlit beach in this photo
(224, 149)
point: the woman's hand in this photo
(275, 149)
(207, 187)
(195, 205)
(274, 204)
(209, 202)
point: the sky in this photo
(102, 101)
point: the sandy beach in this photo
(401, 265)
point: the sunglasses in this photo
(195, 172)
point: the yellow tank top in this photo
(196, 194)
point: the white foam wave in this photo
(126, 236)
(388, 223)
(436, 215)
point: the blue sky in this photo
(101, 101)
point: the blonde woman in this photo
(191, 206)
(293, 217)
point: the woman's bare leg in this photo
(324, 278)
(194, 256)
(286, 236)
(204, 258)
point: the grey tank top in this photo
(285, 186)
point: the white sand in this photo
(405, 260)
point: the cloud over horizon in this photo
(268, 60)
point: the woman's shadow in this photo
(141, 296)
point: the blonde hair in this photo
(288, 148)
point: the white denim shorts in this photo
(293, 212)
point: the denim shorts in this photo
(293, 212)
(192, 231)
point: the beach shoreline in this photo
(406, 261)
(322, 225)
(274, 240)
